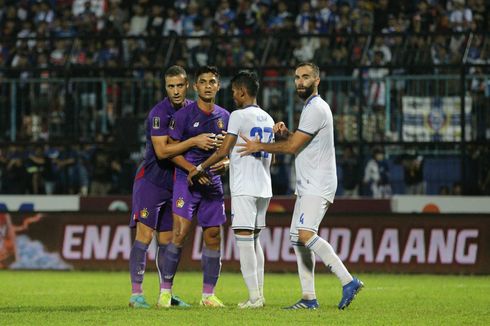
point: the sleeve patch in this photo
(156, 123)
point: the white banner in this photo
(434, 118)
(440, 204)
(39, 203)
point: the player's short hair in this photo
(206, 69)
(248, 80)
(316, 70)
(175, 70)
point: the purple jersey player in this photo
(152, 189)
(203, 201)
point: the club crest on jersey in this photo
(171, 125)
(180, 202)
(221, 124)
(196, 124)
(156, 123)
(144, 213)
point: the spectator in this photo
(377, 176)
(413, 172)
(138, 22)
(350, 172)
(173, 23)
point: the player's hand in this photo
(280, 128)
(249, 147)
(201, 177)
(219, 139)
(205, 141)
(220, 167)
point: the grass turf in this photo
(101, 298)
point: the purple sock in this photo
(170, 263)
(211, 266)
(160, 259)
(137, 265)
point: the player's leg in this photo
(244, 212)
(171, 259)
(313, 208)
(211, 215)
(305, 259)
(183, 206)
(164, 237)
(260, 223)
(146, 206)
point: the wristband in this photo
(199, 168)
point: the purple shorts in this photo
(206, 202)
(151, 206)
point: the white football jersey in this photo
(250, 175)
(316, 171)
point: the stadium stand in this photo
(75, 75)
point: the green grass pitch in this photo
(101, 298)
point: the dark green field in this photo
(100, 298)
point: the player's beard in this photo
(306, 92)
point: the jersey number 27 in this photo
(262, 133)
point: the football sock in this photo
(306, 270)
(248, 264)
(137, 265)
(325, 251)
(160, 258)
(211, 266)
(170, 263)
(259, 254)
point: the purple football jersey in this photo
(158, 172)
(192, 121)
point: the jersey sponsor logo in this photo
(144, 213)
(180, 202)
(220, 124)
(172, 124)
(156, 123)
(196, 124)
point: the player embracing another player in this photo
(250, 181)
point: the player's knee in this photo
(212, 237)
(304, 236)
(179, 237)
(242, 232)
(144, 234)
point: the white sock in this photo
(325, 251)
(306, 270)
(259, 255)
(248, 264)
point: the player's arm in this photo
(290, 146)
(220, 156)
(164, 148)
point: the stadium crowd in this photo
(68, 31)
(40, 39)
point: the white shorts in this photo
(308, 213)
(248, 213)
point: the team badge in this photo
(156, 123)
(171, 125)
(221, 124)
(196, 124)
(180, 202)
(144, 213)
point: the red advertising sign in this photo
(366, 243)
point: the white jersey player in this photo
(250, 181)
(313, 145)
